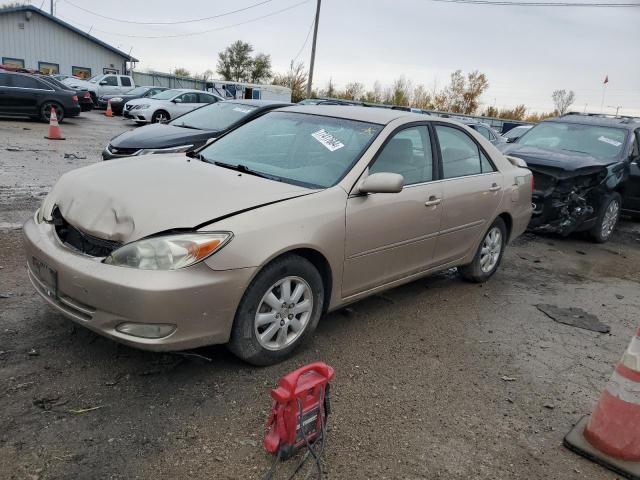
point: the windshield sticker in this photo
(615, 143)
(367, 131)
(328, 140)
(243, 110)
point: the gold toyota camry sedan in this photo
(251, 240)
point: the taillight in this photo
(74, 98)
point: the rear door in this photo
(5, 93)
(632, 194)
(125, 84)
(471, 193)
(25, 94)
(392, 235)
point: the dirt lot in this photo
(437, 379)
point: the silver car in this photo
(299, 212)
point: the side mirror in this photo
(517, 162)
(383, 182)
(177, 100)
(512, 139)
(103, 82)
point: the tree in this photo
(207, 74)
(235, 62)
(353, 91)
(516, 113)
(562, 100)
(491, 112)
(261, 68)
(399, 93)
(330, 91)
(375, 94)
(295, 79)
(181, 72)
(463, 93)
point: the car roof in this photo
(598, 120)
(381, 116)
(259, 103)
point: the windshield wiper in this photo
(576, 151)
(244, 169)
(184, 125)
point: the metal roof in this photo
(31, 8)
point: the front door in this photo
(471, 193)
(392, 235)
(109, 85)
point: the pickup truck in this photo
(104, 84)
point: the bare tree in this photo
(181, 72)
(295, 79)
(562, 100)
(353, 91)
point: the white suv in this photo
(167, 105)
(106, 84)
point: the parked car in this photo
(485, 130)
(26, 95)
(515, 133)
(118, 100)
(106, 84)
(298, 212)
(84, 98)
(166, 105)
(189, 131)
(585, 169)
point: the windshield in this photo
(216, 116)
(601, 142)
(166, 95)
(138, 91)
(93, 79)
(515, 132)
(302, 149)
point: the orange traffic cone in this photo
(109, 112)
(611, 435)
(54, 128)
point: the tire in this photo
(45, 111)
(278, 337)
(477, 271)
(160, 116)
(607, 218)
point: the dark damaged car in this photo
(586, 172)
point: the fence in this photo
(157, 79)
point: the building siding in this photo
(42, 40)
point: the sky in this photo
(526, 52)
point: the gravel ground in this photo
(438, 379)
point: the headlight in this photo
(141, 107)
(170, 252)
(181, 148)
(116, 99)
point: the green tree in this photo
(375, 94)
(261, 68)
(421, 98)
(352, 91)
(181, 72)
(235, 62)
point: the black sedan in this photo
(84, 97)
(189, 131)
(118, 100)
(25, 95)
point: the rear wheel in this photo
(489, 254)
(160, 117)
(45, 111)
(607, 218)
(279, 311)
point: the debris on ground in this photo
(508, 379)
(619, 297)
(574, 317)
(5, 295)
(33, 353)
(74, 156)
(85, 410)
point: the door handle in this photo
(433, 200)
(494, 188)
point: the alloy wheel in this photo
(283, 313)
(610, 218)
(491, 248)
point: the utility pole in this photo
(617, 108)
(51, 7)
(313, 49)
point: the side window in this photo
(125, 81)
(4, 80)
(189, 98)
(460, 154)
(23, 81)
(111, 80)
(206, 98)
(484, 131)
(635, 147)
(409, 154)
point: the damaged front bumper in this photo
(192, 307)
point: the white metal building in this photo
(31, 38)
(230, 89)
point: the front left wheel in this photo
(607, 218)
(279, 311)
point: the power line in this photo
(313, 21)
(540, 4)
(168, 23)
(190, 34)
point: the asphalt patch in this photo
(575, 317)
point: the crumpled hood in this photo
(160, 135)
(131, 198)
(554, 157)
